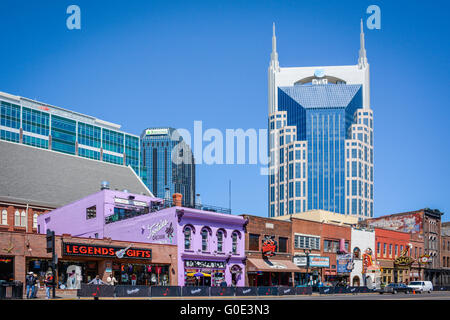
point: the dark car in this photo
(395, 288)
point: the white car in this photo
(421, 286)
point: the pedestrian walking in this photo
(111, 280)
(48, 283)
(36, 286)
(30, 283)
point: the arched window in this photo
(204, 235)
(35, 216)
(5, 217)
(220, 236)
(234, 238)
(187, 238)
(17, 218)
(23, 219)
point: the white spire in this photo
(274, 54)
(362, 60)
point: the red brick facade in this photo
(22, 247)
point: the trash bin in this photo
(2, 290)
(17, 290)
(11, 290)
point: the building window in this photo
(187, 238)
(204, 239)
(4, 217)
(356, 253)
(253, 242)
(220, 241)
(35, 216)
(17, 219)
(91, 212)
(390, 249)
(234, 238)
(378, 248)
(384, 249)
(307, 242)
(282, 244)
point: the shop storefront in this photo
(204, 273)
(270, 272)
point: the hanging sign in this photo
(269, 247)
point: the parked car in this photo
(395, 288)
(421, 286)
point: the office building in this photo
(321, 138)
(41, 125)
(169, 164)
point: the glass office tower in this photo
(37, 124)
(321, 138)
(169, 164)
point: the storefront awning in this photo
(271, 265)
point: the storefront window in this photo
(142, 274)
(6, 268)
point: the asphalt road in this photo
(436, 295)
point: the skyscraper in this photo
(321, 138)
(168, 164)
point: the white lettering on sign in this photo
(319, 81)
(157, 226)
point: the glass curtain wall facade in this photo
(163, 176)
(40, 125)
(315, 127)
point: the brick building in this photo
(36, 181)
(424, 226)
(268, 247)
(389, 246)
(87, 257)
(445, 253)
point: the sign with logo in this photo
(344, 263)
(320, 262)
(90, 250)
(155, 132)
(269, 246)
(425, 259)
(367, 261)
(403, 261)
(205, 264)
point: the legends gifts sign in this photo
(90, 250)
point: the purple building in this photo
(211, 245)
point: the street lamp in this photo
(307, 252)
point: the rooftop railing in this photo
(127, 212)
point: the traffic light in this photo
(50, 241)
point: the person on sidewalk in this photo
(36, 286)
(48, 283)
(30, 283)
(96, 280)
(111, 280)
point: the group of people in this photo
(33, 284)
(111, 280)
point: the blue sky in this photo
(160, 63)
